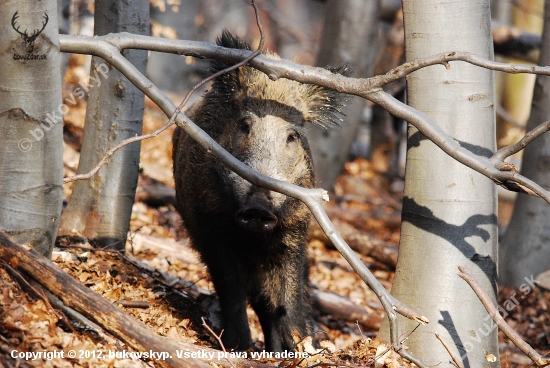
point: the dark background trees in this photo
(525, 250)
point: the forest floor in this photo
(161, 282)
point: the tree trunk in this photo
(100, 208)
(387, 130)
(449, 210)
(525, 250)
(349, 37)
(171, 72)
(31, 112)
(64, 24)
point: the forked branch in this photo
(369, 88)
(313, 198)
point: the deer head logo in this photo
(29, 38)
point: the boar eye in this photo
(244, 126)
(294, 136)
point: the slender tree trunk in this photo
(524, 249)
(31, 112)
(171, 72)
(349, 37)
(449, 210)
(385, 134)
(100, 208)
(64, 24)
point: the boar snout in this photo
(257, 215)
(256, 219)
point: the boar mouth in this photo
(256, 219)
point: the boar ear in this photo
(325, 104)
(227, 84)
(226, 39)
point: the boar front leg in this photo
(229, 283)
(279, 298)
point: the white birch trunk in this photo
(449, 210)
(31, 115)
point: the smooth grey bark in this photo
(525, 250)
(31, 136)
(64, 24)
(100, 208)
(349, 37)
(387, 131)
(170, 72)
(501, 11)
(449, 211)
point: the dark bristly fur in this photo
(252, 240)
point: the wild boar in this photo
(253, 240)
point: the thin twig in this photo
(467, 276)
(453, 356)
(405, 353)
(485, 166)
(360, 331)
(397, 342)
(444, 59)
(219, 338)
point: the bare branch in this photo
(448, 348)
(218, 337)
(444, 59)
(102, 47)
(513, 181)
(366, 88)
(398, 346)
(286, 69)
(467, 276)
(507, 151)
(494, 169)
(519, 185)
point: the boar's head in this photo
(262, 123)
